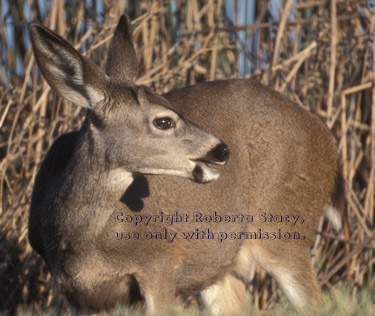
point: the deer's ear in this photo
(122, 61)
(70, 75)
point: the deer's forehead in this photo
(154, 98)
(135, 96)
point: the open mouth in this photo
(204, 172)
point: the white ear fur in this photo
(71, 75)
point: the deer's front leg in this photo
(158, 288)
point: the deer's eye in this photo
(164, 123)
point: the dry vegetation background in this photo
(319, 53)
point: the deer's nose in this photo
(222, 152)
(219, 154)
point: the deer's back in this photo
(285, 155)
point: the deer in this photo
(231, 159)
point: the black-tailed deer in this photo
(111, 233)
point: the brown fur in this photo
(283, 161)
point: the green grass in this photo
(338, 302)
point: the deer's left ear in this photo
(70, 75)
(122, 61)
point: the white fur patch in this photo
(210, 298)
(245, 264)
(333, 215)
(150, 305)
(96, 96)
(209, 174)
(290, 288)
(170, 172)
(120, 179)
(64, 90)
(226, 297)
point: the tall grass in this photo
(319, 53)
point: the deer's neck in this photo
(93, 173)
(90, 189)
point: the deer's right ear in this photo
(71, 75)
(122, 61)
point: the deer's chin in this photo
(198, 171)
(203, 173)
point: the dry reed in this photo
(318, 53)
